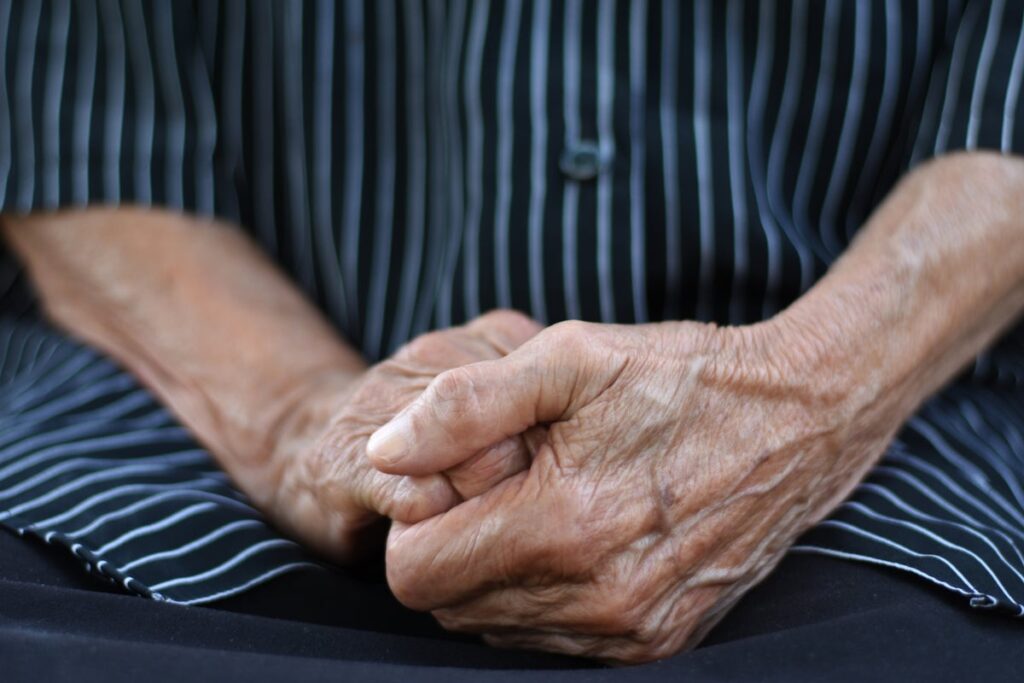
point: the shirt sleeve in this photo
(974, 97)
(105, 102)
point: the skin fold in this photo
(603, 490)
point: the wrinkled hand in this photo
(326, 492)
(680, 462)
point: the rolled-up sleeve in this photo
(105, 102)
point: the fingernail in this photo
(389, 444)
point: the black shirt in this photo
(413, 164)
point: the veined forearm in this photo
(934, 277)
(194, 310)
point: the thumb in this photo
(471, 407)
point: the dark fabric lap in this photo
(815, 618)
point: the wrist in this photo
(296, 416)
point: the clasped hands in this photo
(598, 490)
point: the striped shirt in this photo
(413, 164)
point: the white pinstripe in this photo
(817, 550)
(454, 161)
(540, 36)
(83, 366)
(186, 487)
(881, 540)
(196, 544)
(988, 48)
(1010, 112)
(146, 529)
(262, 48)
(114, 382)
(763, 62)
(6, 142)
(737, 169)
(144, 101)
(669, 119)
(780, 146)
(295, 147)
(637, 156)
(85, 82)
(231, 152)
(891, 86)
(606, 144)
(503, 201)
(889, 470)
(384, 187)
(909, 459)
(113, 124)
(850, 131)
(416, 177)
(60, 28)
(118, 440)
(915, 512)
(128, 511)
(224, 567)
(325, 244)
(78, 484)
(352, 189)
(23, 117)
(174, 106)
(474, 145)
(145, 464)
(255, 581)
(438, 158)
(973, 472)
(571, 192)
(206, 133)
(954, 78)
(112, 411)
(931, 535)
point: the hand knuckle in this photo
(505, 318)
(570, 330)
(422, 346)
(450, 389)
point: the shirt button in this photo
(582, 160)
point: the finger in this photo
(409, 499)
(490, 336)
(489, 468)
(487, 542)
(504, 330)
(469, 408)
(497, 463)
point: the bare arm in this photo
(194, 310)
(934, 277)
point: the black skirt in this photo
(815, 618)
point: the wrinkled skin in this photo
(328, 493)
(680, 462)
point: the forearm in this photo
(195, 311)
(933, 278)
